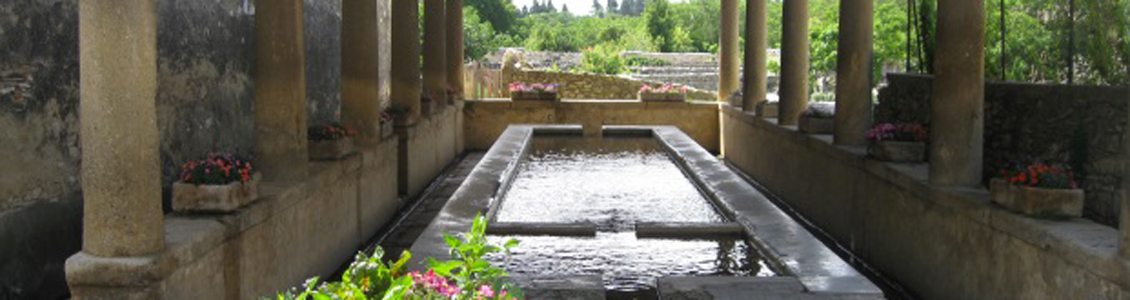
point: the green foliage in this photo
(479, 38)
(501, 14)
(660, 25)
(602, 60)
(467, 267)
(369, 277)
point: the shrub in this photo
(820, 110)
(602, 60)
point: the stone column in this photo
(728, 51)
(853, 73)
(435, 50)
(455, 45)
(957, 113)
(405, 83)
(794, 61)
(121, 166)
(1124, 221)
(280, 91)
(756, 52)
(360, 69)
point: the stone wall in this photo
(591, 86)
(939, 243)
(204, 103)
(1081, 125)
(486, 120)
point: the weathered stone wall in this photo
(204, 103)
(1081, 125)
(591, 86)
(940, 243)
(486, 120)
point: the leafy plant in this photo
(466, 277)
(216, 168)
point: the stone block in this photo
(189, 197)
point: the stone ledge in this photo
(790, 247)
(561, 287)
(186, 240)
(1082, 242)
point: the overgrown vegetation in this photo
(1045, 40)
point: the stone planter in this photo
(189, 197)
(1037, 202)
(662, 97)
(766, 109)
(387, 130)
(814, 125)
(330, 149)
(898, 151)
(533, 96)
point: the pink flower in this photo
(486, 291)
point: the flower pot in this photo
(814, 125)
(330, 149)
(662, 97)
(229, 197)
(386, 130)
(1035, 201)
(532, 96)
(766, 109)
(898, 151)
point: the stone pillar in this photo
(728, 51)
(853, 73)
(1124, 221)
(794, 61)
(360, 69)
(957, 113)
(405, 83)
(455, 45)
(280, 91)
(121, 166)
(435, 50)
(756, 52)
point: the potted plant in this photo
(1038, 189)
(818, 118)
(386, 123)
(903, 142)
(663, 93)
(533, 92)
(329, 142)
(221, 182)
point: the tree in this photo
(613, 8)
(501, 14)
(597, 10)
(660, 25)
(565, 8)
(550, 8)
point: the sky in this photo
(577, 7)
